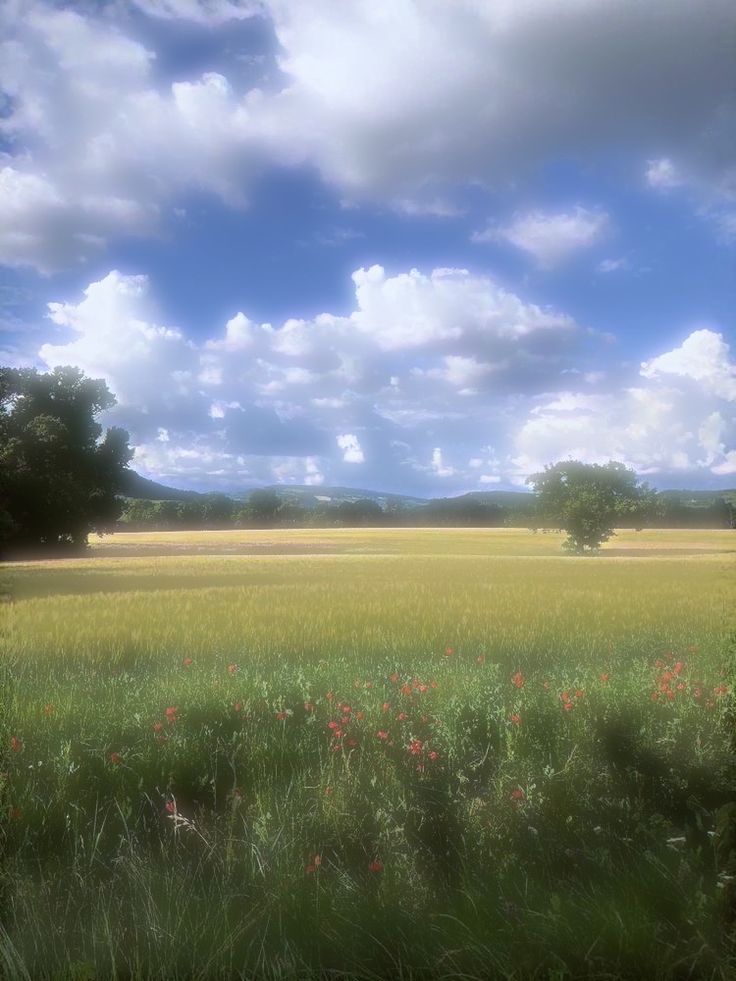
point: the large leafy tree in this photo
(587, 500)
(59, 475)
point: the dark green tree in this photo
(588, 500)
(59, 475)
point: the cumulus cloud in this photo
(674, 419)
(352, 452)
(100, 143)
(550, 237)
(663, 174)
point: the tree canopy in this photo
(59, 475)
(587, 500)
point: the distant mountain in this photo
(141, 488)
(310, 496)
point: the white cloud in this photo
(102, 143)
(550, 237)
(703, 356)
(663, 174)
(612, 265)
(352, 452)
(262, 403)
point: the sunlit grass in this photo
(471, 824)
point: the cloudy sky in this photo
(424, 246)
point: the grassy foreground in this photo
(416, 754)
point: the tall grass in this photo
(411, 757)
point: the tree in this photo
(59, 476)
(587, 500)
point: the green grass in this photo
(515, 837)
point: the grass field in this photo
(375, 753)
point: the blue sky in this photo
(409, 245)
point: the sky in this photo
(419, 246)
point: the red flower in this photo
(565, 696)
(382, 734)
(481, 659)
(333, 725)
(568, 706)
(158, 726)
(579, 693)
(232, 668)
(394, 677)
(115, 758)
(678, 667)
(515, 719)
(16, 744)
(238, 707)
(283, 714)
(346, 709)
(187, 662)
(655, 696)
(170, 714)
(605, 677)
(518, 794)
(719, 690)
(402, 717)
(449, 651)
(434, 755)
(376, 865)
(405, 689)
(386, 707)
(518, 680)
(170, 807)
(415, 747)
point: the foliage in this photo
(180, 795)
(588, 499)
(59, 477)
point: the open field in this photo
(373, 753)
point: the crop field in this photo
(369, 754)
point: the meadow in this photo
(368, 754)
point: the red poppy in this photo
(518, 794)
(333, 725)
(187, 662)
(449, 651)
(238, 707)
(170, 714)
(434, 755)
(386, 707)
(16, 744)
(605, 677)
(115, 758)
(516, 719)
(405, 689)
(678, 667)
(579, 693)
(719, 690)
(402, 717)
(568, 706)
(158, 726)
(518, 680)
(232, 668)
(376, 865)
(415, 747)
(382, 734)
(565, 696)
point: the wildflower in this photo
(402, 717)
(16, 744)
(405, 689)
(115, 758)
(394, 677)
(449, 651)
(345, 709)
(415, 747)
(481, 659)
(515, 719)
(171, 807)
(386, 707)
(720, 690)
(433, 755)
(376, 865)
(681, 686)
(568, 706)
(518, 680)
(655, 696)
(565, 696)
(158, 726)
(670, 695)
(332, 724)
(232, 669)
(579, 693)
(352, 743)
(187, 662)
(605, 677)
(697, 693)
(678, 667)
(170, 714)
(517, 795)
(238, 707)
(382, 734)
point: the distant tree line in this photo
(267, 509)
